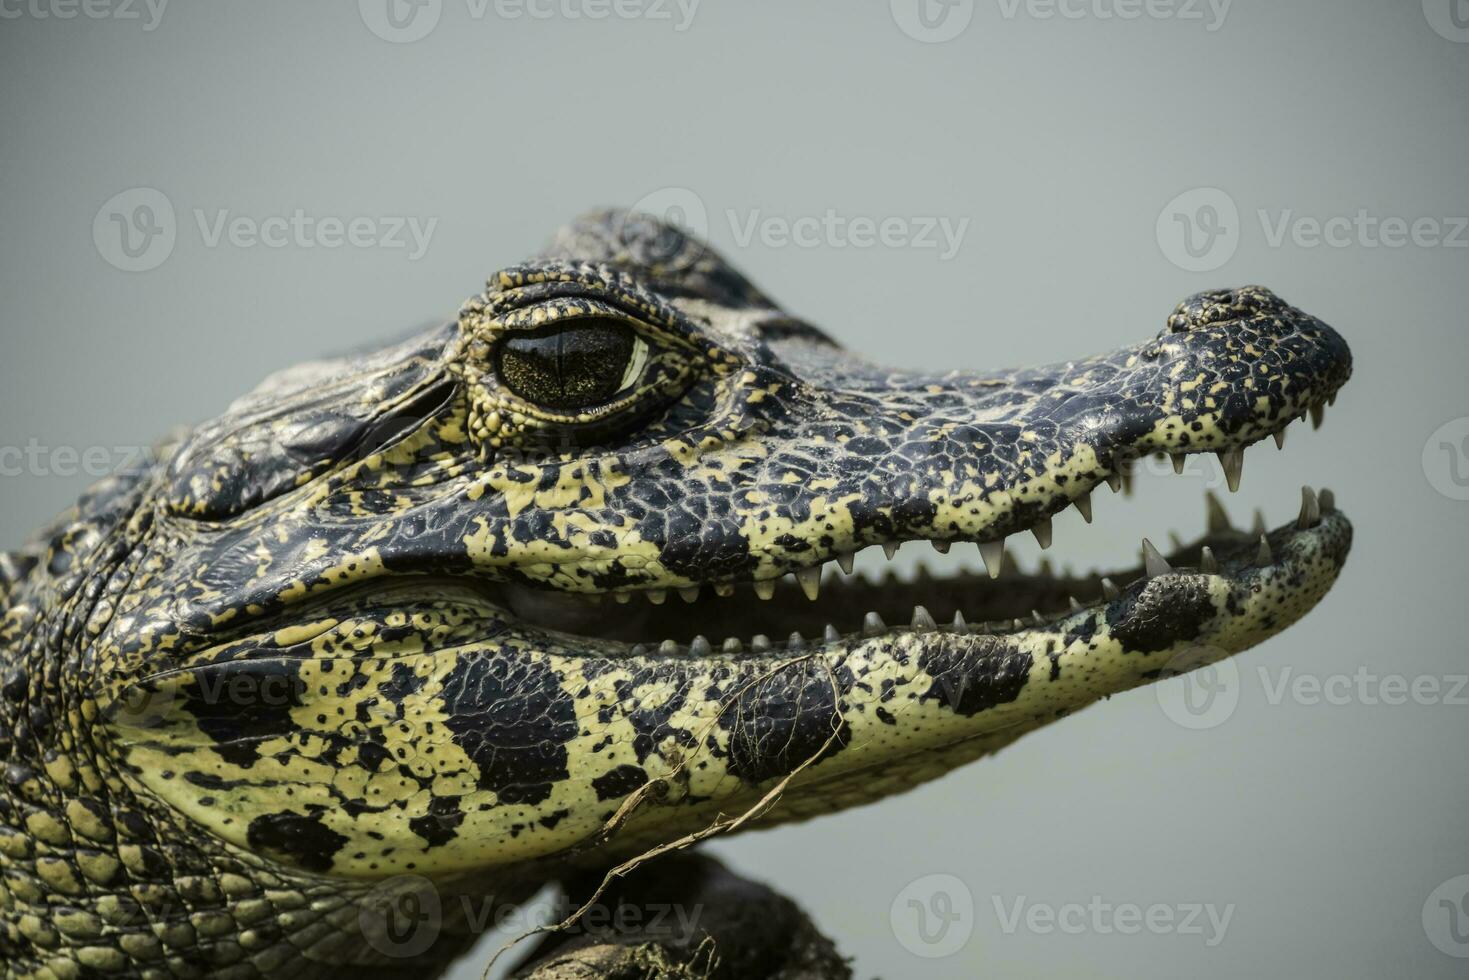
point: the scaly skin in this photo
(370, 622)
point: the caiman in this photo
(567, 579)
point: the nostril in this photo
(1223, 305)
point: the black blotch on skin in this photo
(983, 675)
(241, 703)
(619, 782)
(441, 824)
(1160, 616)
(786, 719)
(513, 720)
(299, 839)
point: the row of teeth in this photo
(1154, 565)
(991, 552)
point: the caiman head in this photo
(563, 579)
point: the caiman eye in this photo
(577, 365)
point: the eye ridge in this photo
(574, 365)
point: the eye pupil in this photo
(579, 365)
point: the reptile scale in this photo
(567, 578)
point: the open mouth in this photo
(831, 603)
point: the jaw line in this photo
(1014, 605)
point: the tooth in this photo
(623, 598)
(1039, 619)
(690, 594)
(1310, 514)
(1208, 564)
(1018, 624)
(1073, 603)
(1259, 526)
(830, 635)
(959, 625)
(1110, 590)
(1177, 463)
(942, 547)
(1127, 482)
(760, 643)
(796, 641)
(1280, 439)
(1233, 463)
(1331, 398)
(656, 596)
(1042, 532)
(1084, 504)
(1154, 561)
(993, 553)
(1318, 414)
(1175, 542)
(699, 647)
(810, 581)
(1214, 510)
(1328, 499)
(922, 620)
(1264, 555)
(668, 647)
(844, 562)
(724, 589)
(890, 548)
(872, 624)
(1114, 480)
(765, 588)
(1043, 567)
(733, 645)
(639, 650)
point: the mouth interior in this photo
(785, 614)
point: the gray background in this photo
(1062, 140)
